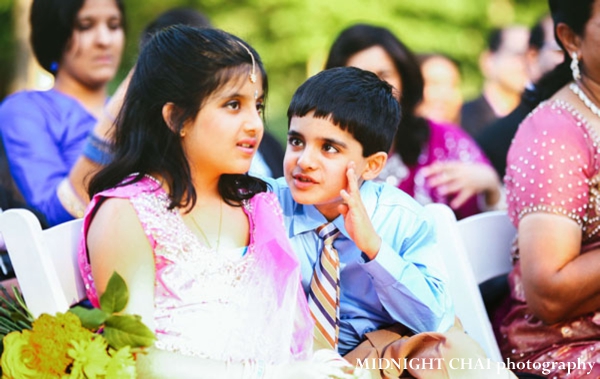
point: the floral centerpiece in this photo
(81, 343)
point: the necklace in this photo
(204, 234)
(586, 100)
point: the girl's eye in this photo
(235, 105)
(260, 107)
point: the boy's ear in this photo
(375, 163)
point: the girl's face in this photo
(227, 130)
(379, 62)
(93, 53)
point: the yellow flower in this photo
(19, 360)
(122, 364)
(89, 357)
(51, 338)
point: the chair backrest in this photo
(462, 285)
(44, 261)
(488, 238)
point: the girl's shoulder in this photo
(265, 208)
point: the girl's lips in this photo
(247, 145)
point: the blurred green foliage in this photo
(7, 45)
(293, 36)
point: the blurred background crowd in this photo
(294, 36)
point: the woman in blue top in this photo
(45, 132)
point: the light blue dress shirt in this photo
(405, 282)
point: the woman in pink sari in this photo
(199, 243)
(553, 191)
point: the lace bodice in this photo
(216, 305)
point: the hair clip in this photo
(253, 73)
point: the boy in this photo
(341, 124)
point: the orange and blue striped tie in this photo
(324, 294)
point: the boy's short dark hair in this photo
(356, 101)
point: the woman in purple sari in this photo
(51, 138)
(432, 162)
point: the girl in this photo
(199, 243)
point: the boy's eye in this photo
(330, 148)
(293, 141)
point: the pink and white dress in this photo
(213, 305)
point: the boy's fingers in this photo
(343, 209)
(351, 176)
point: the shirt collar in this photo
(307, 217)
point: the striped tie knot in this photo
(324, 294)
(328, 232)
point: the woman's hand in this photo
(463, 180)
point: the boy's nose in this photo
(306, 159)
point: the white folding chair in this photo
(488, 238)
(44, 261)
(462, 284)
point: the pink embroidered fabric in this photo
(553, 166)
(213, 305)
(446, 143)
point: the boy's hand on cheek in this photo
(357, 221)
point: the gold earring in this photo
(182, 133)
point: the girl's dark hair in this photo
(52, 23)
(413, 131)
(184, 66)
(575, 14)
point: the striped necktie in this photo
(324, 294)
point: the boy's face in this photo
(316, 160)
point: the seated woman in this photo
(431, 161)
(552, 180)
(200, 243)
(47, 134)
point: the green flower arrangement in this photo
(81, 343)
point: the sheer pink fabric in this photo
(216, 305)
(446, 143)
(553, 166)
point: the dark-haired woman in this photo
(431, 161)
(553, 192)
(45, 132)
